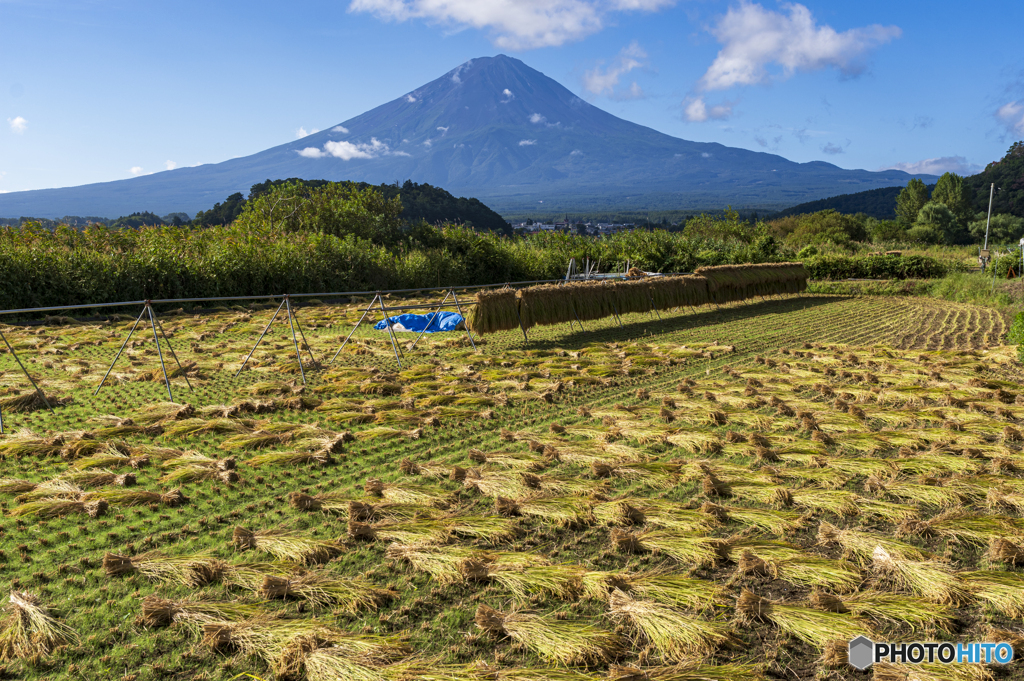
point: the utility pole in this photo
(991, 193)
(983, 255)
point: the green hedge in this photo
(879, 267)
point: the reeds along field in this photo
(731, 491)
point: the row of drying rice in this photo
(506, 309)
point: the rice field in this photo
(727, 493)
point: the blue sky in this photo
(98, 90)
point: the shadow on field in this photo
(611, 332)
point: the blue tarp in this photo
(442, 321)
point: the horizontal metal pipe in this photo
(420, 307)
(74, 307)
(167, 301)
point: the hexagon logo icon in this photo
(861, 652)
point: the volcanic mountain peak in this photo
(496, 129)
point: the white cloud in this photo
(507, 94)
(633, 92)
(537, 118)
(347, 151)
(1012, 116)
(754, 38)
(829, 148)
(18, 124)
(301, 132)
(340, 128)
(410, 99)
(937, 166)
(136, 170)
(428, 143)
(705, 154)
(603, 82)
(696, 110)
(514, 24)
(170, 165)
(575, 153)
(442, 128)
(527, 143)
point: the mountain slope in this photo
(496, 129)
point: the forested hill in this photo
(419, 202)
(1008, 176)
(876, 203)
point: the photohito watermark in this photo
(864, 652)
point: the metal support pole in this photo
(431, 320)
(574, 314)
(295, 341)
(468, 332)
(365, 312)
(391, 332)
(302, 335)
(1, 421)
(617, 317)
(387, 319)
(118, 355)
(653, 306)
(174, 355)
(159, 352)
(260, 339)
(25, 371)
(521, 327)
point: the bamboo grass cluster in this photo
(586, 301)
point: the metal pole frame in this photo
(468, 332)
(25, 371)
(123, 346)
(575, 314)
(160, 352)
(431, 320)
(571, 327)
(309, 348)
(617, 317)
(260, 340)
(173, 353)
(653, 306)
(391, 332)
(365, 312)
(295, 341)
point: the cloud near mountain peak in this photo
(514, 24)
(347, 151)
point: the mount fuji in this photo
(500, 131)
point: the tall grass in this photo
(66, 266)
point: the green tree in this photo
(910, 202)
(1005, 228)
(1008, 175)
(952, 191)
(935, 224)
(885, 230)
(337, 208)
(826, 226)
